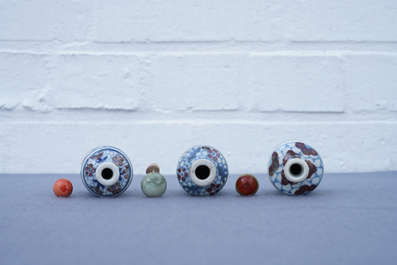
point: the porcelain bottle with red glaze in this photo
(202, 170)
(106, 171)
(295, 168)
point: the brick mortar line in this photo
(279, 53)
(197, 122)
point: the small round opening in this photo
(295, 169)
(107, 173)
(202, 172)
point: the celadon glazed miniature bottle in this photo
(202, 170)
(106, 171)
(295, 168)
(153, 184)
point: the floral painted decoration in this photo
(202, 152)
(291, 150)
(99, 156)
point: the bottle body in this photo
(106, 171)
(202, 170)
(295, 168)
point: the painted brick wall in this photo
(154, 78)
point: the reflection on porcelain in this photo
(295, 168)
(106, 171)
(202, 170)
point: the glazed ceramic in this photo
(62, 188)
(295, 168)
(247, 185)
(106, 171)
(153, 184)
(202, 170)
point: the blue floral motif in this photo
(106, 154)
(287, 151)
(202, 152)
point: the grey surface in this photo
(348, 219)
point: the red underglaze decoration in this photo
(63, 188)
(247, 185)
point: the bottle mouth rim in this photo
(106, 167)
(197, 177)
(296, 170)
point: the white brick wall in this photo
(155, 78)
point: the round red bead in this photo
(247, 185)
(63, 188)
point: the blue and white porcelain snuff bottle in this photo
(295, 168)
(106, 171)
(202, 170)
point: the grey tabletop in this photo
(348, 219)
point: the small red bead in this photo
(247, 185)
(63, 188)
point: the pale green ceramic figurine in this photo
(153, 184)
